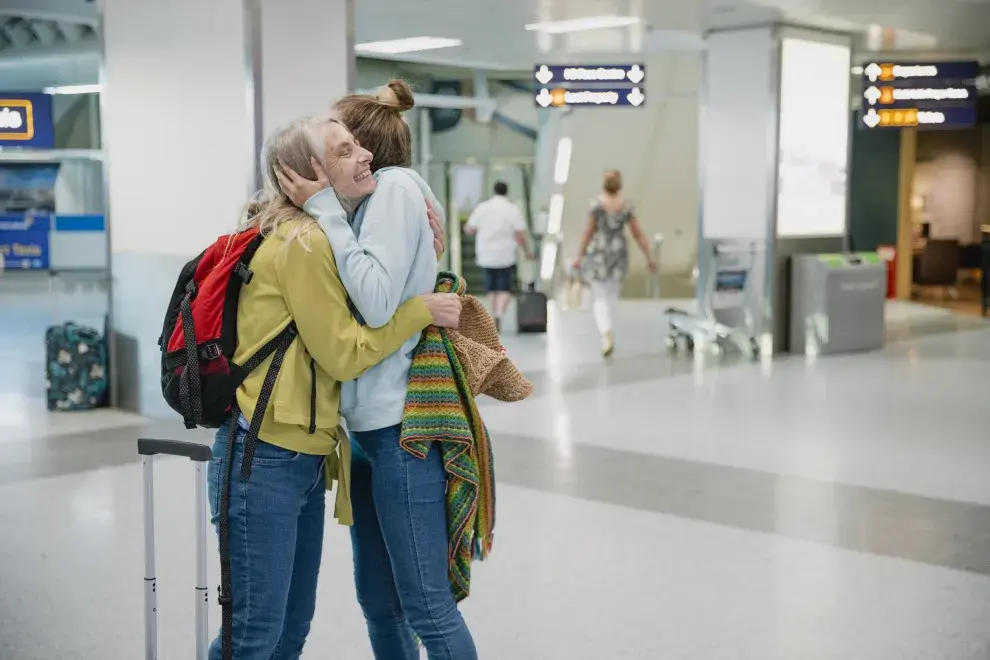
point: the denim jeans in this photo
(400, 550)
(276, 545)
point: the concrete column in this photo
(190, 91)
(904, 274)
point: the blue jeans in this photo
(400, 550)
(276, 545)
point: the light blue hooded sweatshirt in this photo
(385, 257)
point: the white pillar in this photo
(190, 91)
(775, 122)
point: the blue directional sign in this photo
(919, 94)
(889, 72)
(612, 74)
(631, 97)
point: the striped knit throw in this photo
(440, 408)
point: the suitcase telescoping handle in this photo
(201, 455)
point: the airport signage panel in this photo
(919, 94)
(590, 97)
(590, 85)
(945, 117)
(615, 74)
(26, 121)
(25, 241)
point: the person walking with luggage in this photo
(603, 256)
(381, 243)
(271, 522)
(499, 228)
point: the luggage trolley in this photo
(728, 288)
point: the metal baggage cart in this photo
(725, 313)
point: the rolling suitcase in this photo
(75, 367)
(200, 455)
(531, 310)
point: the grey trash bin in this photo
(837, 302)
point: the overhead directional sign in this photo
(596, 73)
(927, 95)
(591, 85)
(599, 96)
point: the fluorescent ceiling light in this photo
(563, 165)
(74, 89)
(410, 45)
(548, 261)
(555, 214)
(583, 24)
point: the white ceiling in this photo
(52, 42)
(498, 39)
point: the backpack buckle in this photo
(211, 351)
(243, 272)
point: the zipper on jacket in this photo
(312, 397)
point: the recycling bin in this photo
(837, 302)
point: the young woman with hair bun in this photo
(383, 247)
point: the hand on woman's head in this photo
(298, 188)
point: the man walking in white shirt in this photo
(498, 227)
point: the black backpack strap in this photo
(277, 347)
(190, 395)
(223, 594)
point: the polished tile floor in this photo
(649, 507)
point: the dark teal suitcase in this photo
(75, 367)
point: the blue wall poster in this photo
(27, 188)
(24, 241)
(26, 120)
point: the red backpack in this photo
(199, 337)
(199, 375)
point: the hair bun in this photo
(396, 94)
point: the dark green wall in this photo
(874, 187)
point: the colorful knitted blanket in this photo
(440, 408)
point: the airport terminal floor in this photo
(648, 507)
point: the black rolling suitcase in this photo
(200, 455)
(531, 310)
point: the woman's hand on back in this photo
(438, 237)
(298, 188)
(445, 308)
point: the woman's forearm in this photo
(585, 240)
(644, 245)
(374, 266)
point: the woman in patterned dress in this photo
(603, 257)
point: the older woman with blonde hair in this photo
(275, 518)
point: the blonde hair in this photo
(612, 181)
(376, 123)
(295, 144)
